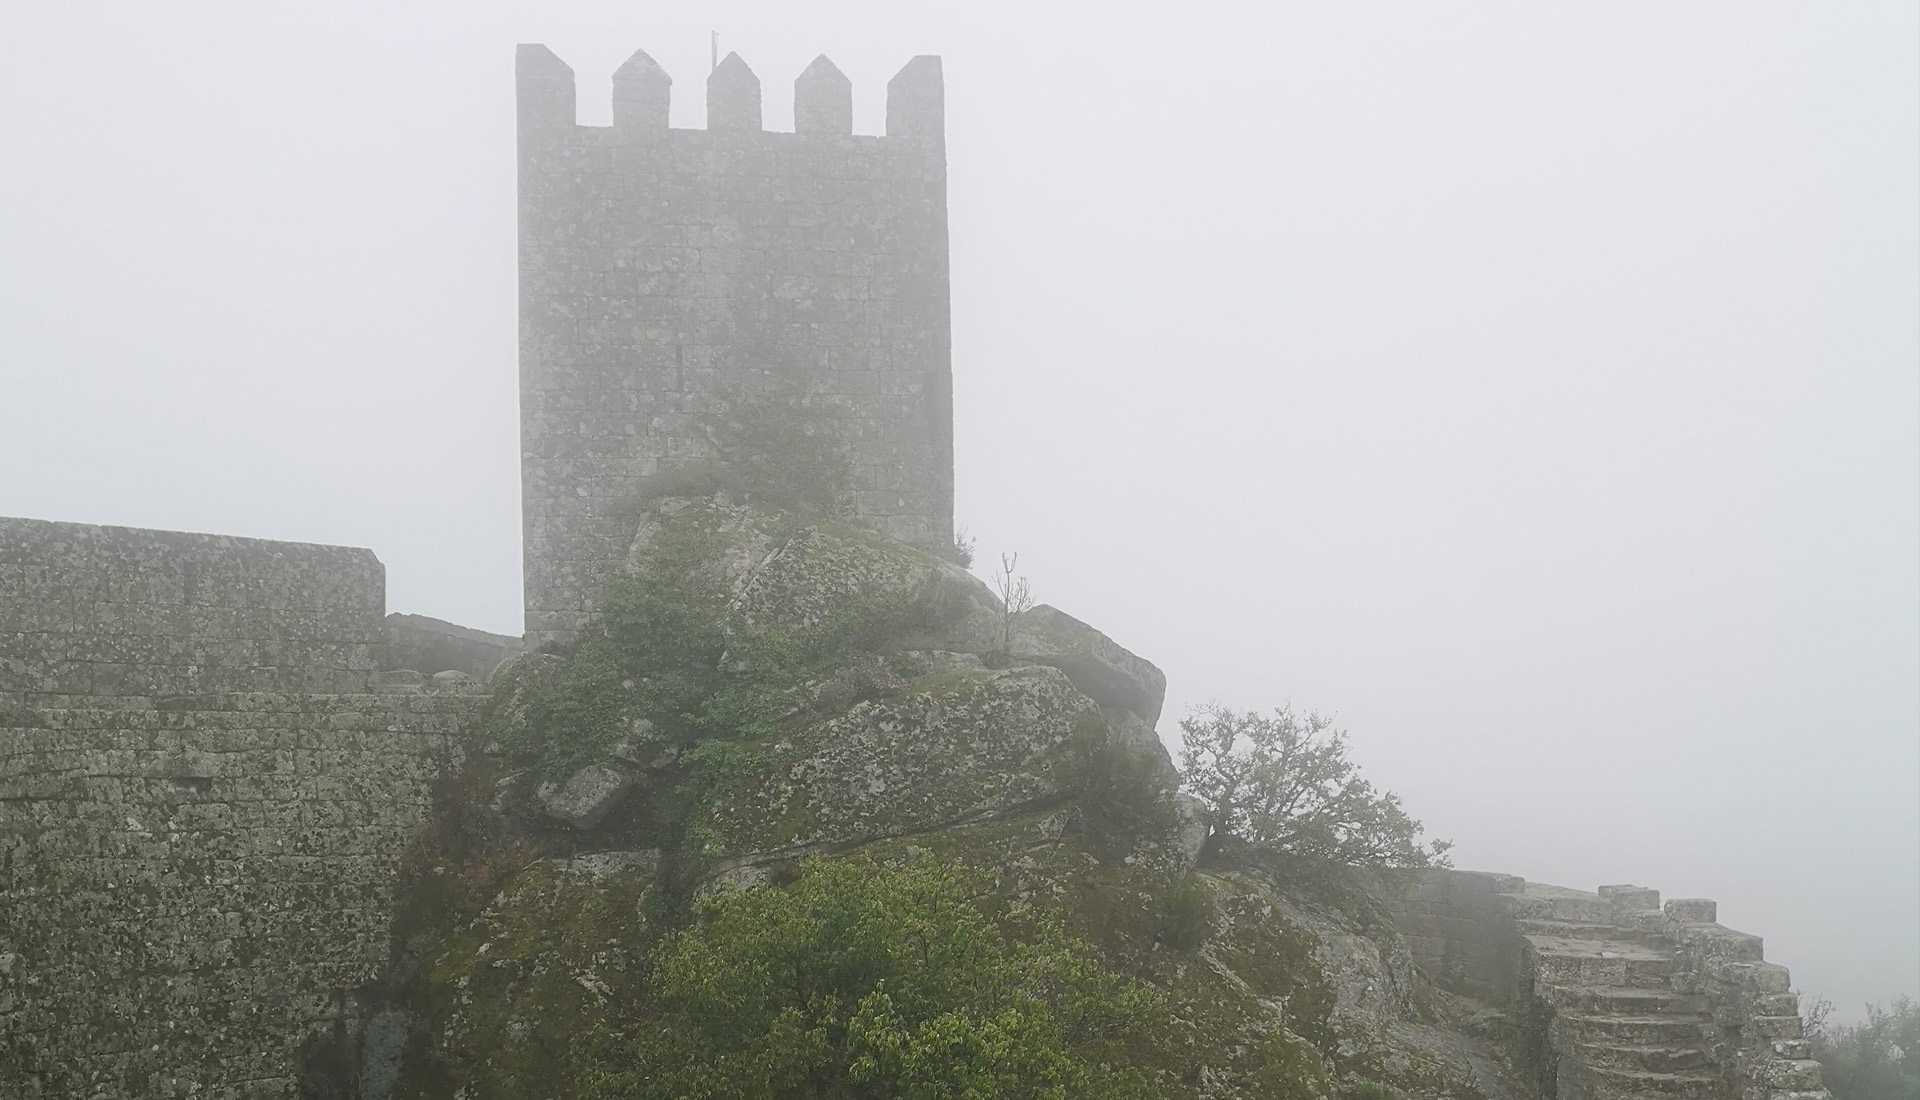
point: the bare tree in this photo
(1016, 595)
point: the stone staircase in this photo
(1645, 1003)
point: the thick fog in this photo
(1532, 386)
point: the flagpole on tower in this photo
(715, 43)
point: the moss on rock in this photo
(562, 947)
(952, 749)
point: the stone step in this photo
(1616, 1083)
(1571, 930)
(1651, 1029)
(1650, 1058)
(1567, 905)
(1603, 1000)
(1591, 930)
(1599, 962)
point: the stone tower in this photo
(662, 270)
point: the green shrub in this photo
(1121, 794)
(866, 980)
(1186, 915)
(1875, 1059)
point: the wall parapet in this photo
(87, 610)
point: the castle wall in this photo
(88, 610)
(663, 270)
(431, 645)
(191, 894)
(1460, 931)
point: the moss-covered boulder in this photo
(503, 1008)
(1097, 665)
(774, 688)
(958, 748)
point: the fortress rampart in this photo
(206, 787)
(194, 894)
(663, 270)
(87, 610)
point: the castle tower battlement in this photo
(662, 270)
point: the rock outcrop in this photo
(882, 704)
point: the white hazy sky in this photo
(1534, 386)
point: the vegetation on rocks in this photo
(866, 980)
(858, 862)
(1877, 1058)
(1283, 782)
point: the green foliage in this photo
(670, 650)
(1122, 794)
(1284, 782)
(961, 552)
(1369, 1090)
(1875, 1059)
(782, 447)
(864, 980)
(1186, 915)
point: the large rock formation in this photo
(881, 703)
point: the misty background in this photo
(1534, 387)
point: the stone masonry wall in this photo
(664, 270)
(88, 610)
(430, 645)
(190, 893)
(1461, 934)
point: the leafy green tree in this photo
(1283, 781)
(860, 980)
(1875, 1059)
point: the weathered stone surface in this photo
(194, 890)
(780, 572)
(435, 645)
(398, 681)
(965, 747)
(514, 685)
(1133, 733)
(1191, 828)
(1111, 675)
(586, 797)
(1636, 1000)
(92, 611)
(558, 945)
(453, 681)
(663, 269)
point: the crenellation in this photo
(546, 91)
(642, 94)
(733, 97)
(823, 100)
